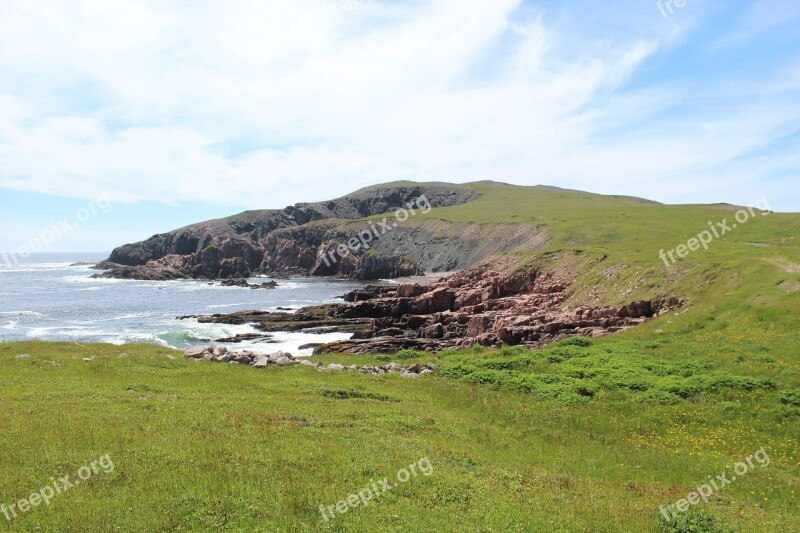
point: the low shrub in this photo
(408, 354)
(791, 397)
(695, 521)
(583, 342)
(347, 394)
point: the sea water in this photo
(50, 297)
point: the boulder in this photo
(435, 331)
(194, 353)
(243, 359)
(219, 350)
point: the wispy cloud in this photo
(259, 104)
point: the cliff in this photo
(374, 233)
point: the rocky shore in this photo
(488, 304)
(220, 354)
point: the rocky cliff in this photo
(343, 237)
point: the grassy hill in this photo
(580, 436)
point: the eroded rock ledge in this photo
(480, 305)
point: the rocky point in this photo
(483, 305)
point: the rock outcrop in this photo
(480, 305)
(247, 285)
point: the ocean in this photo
(53, 297)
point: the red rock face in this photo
(479, 306)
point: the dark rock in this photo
(372, 267)
(247, 285)
(309, 346)
(242, 337)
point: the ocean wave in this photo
(289, 342)
(89, 279)
(34, 267)
(289, 285)
(123, 317)
(66, 331)
(221, 306)
(21, 313)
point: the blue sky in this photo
(180, 111)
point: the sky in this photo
(170, 112)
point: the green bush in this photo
(347, 394)
(583, 342)
(513, 350)
(661, 397)
(791, 397)
(756, 383)
(408, 354)
(456, 371)
(695, 521)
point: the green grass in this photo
(209, 447)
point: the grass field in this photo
(201, 446)
(580, 436)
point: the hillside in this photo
(466, 224)
(303, 239)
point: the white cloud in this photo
(259, 104)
